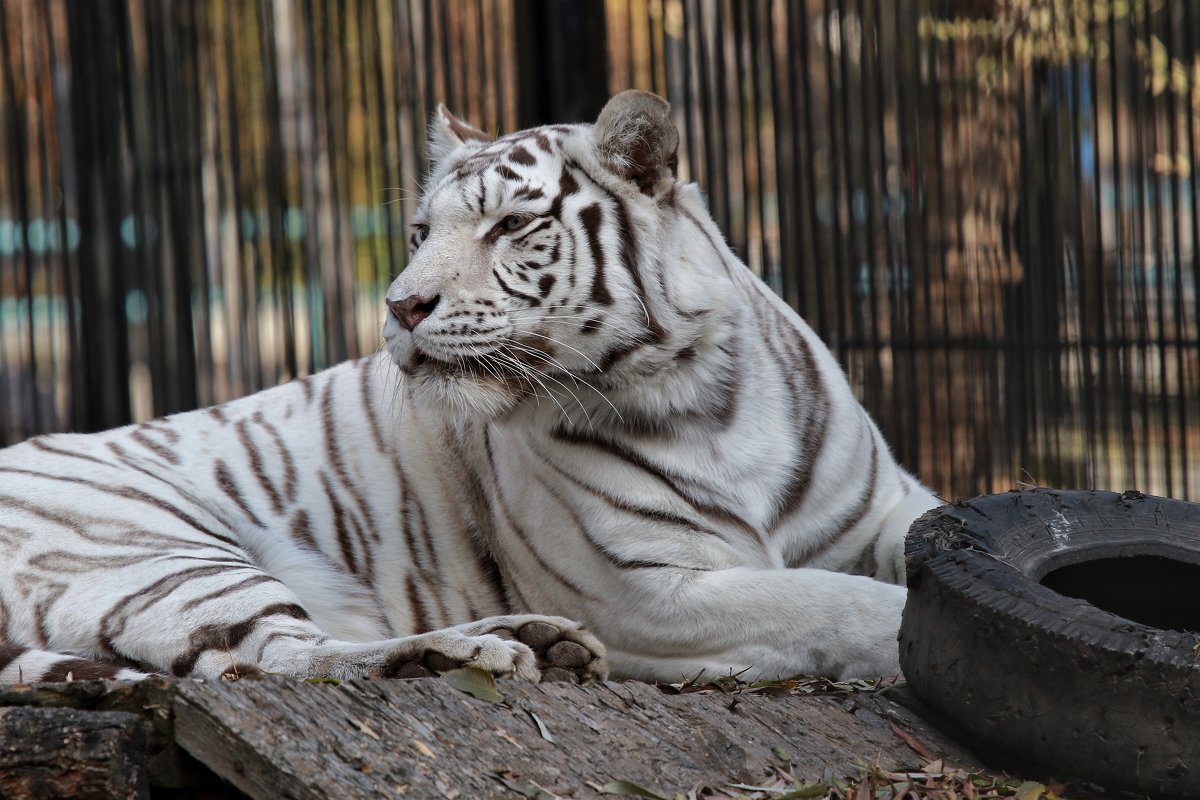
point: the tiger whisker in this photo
(566, 372)
(391, 389)
(571, 319)
(645, 310)
(565, 388)
(526, 371)
(494, 370)
(522, 317)
(560, 343)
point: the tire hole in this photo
(1155, 591)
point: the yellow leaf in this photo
(475, 682)
(1030, 790)
(631, 789)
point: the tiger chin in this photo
(594, 443)
(460, 389)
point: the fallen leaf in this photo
(424, 748)
(474, 681)
(805, 792)
(542, 729)
(1030, 790)
(909, 740)
(631, 789)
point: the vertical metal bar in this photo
(1085, 308)
(104, 378)
(705, 168)
(1121, 345)
(17, 125)
(907, 44)
(562, 60)
(1142, 246)
(54, 148)
(815, 299)
(720, 185)
(835, 159)
(1095, 345)
(871, 193)
(1190, 381)
(1174, 446)
(496, 73)
(689, 111)
(737, 121)
(784, 133)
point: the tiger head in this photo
(535, 260)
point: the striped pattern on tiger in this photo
(586, 409)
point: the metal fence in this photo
(987, 208)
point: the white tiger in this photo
(587, 409)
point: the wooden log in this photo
(151, 700)
(277, 738)
(54, 753)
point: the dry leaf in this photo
(1030, 790)
(631, 789)
(909, 740)
(542, 729)
(475, 682)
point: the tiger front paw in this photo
(449, 649)
(564, 650)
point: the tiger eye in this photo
(512, 222)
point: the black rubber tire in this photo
(1041, 676)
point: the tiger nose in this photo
(412, 309)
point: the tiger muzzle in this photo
(413, 309)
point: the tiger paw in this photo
(564, 650)
(449, 649)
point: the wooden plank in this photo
(151, 700)
(53, 753)
(278, 738)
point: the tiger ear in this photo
(637, 140)
(447, 133)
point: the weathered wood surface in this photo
(61, 752)
(152, 704)
(280, 738)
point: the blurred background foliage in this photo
(987, 208)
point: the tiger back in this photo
(590, 423)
